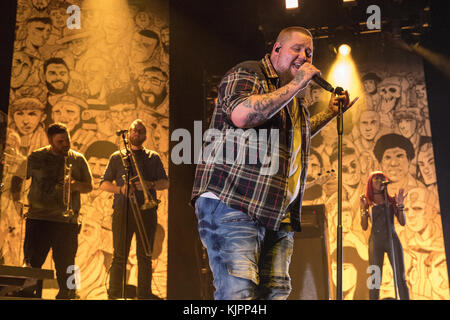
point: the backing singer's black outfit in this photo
(379, 243)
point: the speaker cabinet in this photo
(309, 269)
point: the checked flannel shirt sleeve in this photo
(236, 87)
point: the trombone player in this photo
(54, 203)
(137, 205)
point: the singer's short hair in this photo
(287, 32)
(136, 122)
(57, 128)
(391, 141)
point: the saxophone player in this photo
(47, 226)
(151, 170)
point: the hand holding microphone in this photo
(307, 72)
(121, 132)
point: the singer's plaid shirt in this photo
(247, 187)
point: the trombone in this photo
(67, 192)
(149, 201)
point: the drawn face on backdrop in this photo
(78, 46)
(421, 91)
(20, 69)
(369, 124)
(67, 113)
(23, 10)
(142, 20)
(59, 17)
(370, 86)
(98, 167)
(38, 33)
(165, 38)
(123, 115)
(40, 5)
(57, 78)
(95, 73)
(390, 92)
(347, 216)
(160, 135)
(27, 120)
(417, 212)
(351, 169)
(407, 127)
(152, 85)
(395, 164)
(142, 47)
(425, 161)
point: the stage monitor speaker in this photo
(309, 263)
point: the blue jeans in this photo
(247, 260)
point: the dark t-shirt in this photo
(46, 171)
(149, 164)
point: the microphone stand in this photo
(391, 240)
(340, 131)
(127, 167)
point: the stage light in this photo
(349, 3)
(343, 73)
(344, 49)
(291, 4)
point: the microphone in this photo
(324, 84)
(385, 182)
(121, 132)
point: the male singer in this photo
(246, 217)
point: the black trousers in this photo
(62, 238)
(122, 243)
(378, 245)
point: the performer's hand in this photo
(75, 185)
(363, 202)
(400, 197)
(123, 190)
(304, 74)
(149, 185)
(344, 98)
(137, 185)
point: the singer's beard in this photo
(286, 77)
(137, 142)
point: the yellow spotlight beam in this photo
(343, 73)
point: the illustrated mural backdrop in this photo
(393, 100)
(96, 79)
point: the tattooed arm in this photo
(258, 108)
